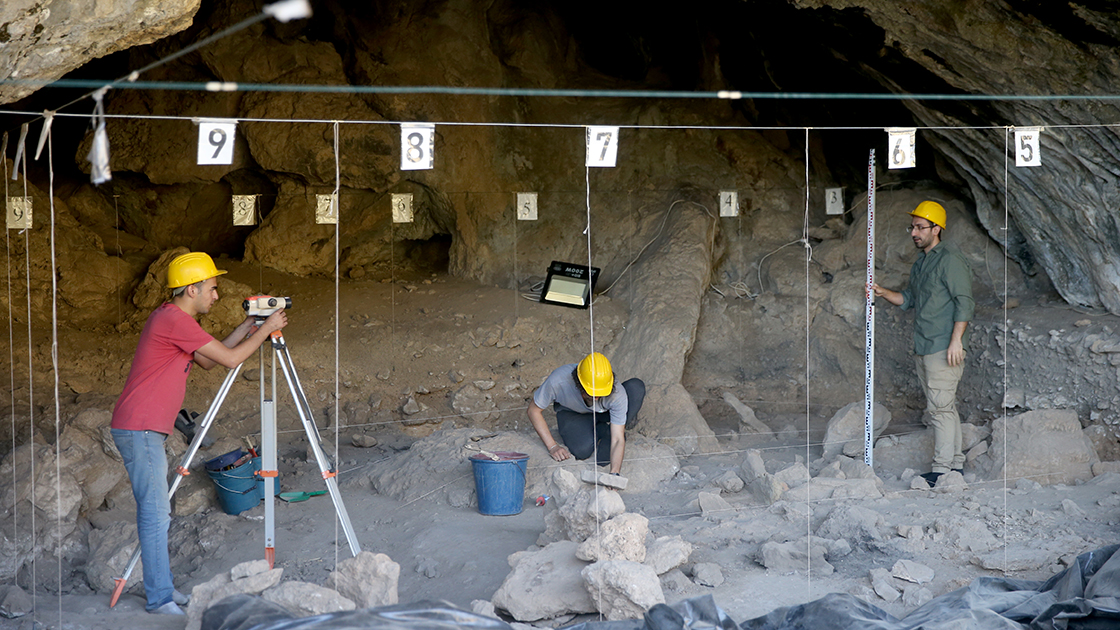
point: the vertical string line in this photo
(516, 276)
(591, 320)
(337, 322)
(808, 257)
(30, 380)
(54, 367)
(1006, 326)
(11, 334)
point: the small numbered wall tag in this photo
(402, 208)
(1026, 146)
(326, 209)
(900, 147)
(244, 209)
(833, 201)
(215, 141)
(728, 203)
(417, 147)
(526, 206)
(19, 213)
(602, 146)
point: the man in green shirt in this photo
(940, 292)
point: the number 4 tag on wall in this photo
(215, 141)
(1026, 146)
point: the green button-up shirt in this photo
(940, 292)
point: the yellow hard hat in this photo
(931, 211)
(595, 375)
(191, 268)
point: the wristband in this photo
(554, 447)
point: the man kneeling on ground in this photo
(591, 413)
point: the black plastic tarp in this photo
(1085, 596)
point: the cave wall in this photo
(1063, 217)
(1062, 226)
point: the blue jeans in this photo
(146, 463)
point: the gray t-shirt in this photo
(560, 387)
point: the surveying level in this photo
(262, 306)
(268, 441)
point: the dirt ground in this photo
(422, 337)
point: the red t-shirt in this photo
(157, 382)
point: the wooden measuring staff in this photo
(268, 471)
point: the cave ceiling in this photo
(1062, 224)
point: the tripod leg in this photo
(180, 472)
(313, 437)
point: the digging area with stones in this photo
(417, 348)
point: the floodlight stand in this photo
(268, 472)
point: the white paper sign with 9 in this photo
(215, 141)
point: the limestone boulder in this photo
(110, 549)
(622, 589)
(801, 555)
(89, 454)
(853, 523)
(304, 600)
(667, 553)
(545, 584)
(1047, 446)
(250, 578)
(442, 455)
(590, 506)
(367, 579)
(52, 492)
(844, 433)
(620, 538)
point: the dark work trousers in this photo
(576, 428)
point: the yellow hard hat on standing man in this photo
(931, 211)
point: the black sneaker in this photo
(931, 478)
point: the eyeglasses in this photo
(910, 230)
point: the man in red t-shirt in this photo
(145, 413)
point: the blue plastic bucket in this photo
(500, 484)
(238, 489)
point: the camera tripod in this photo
(268, 470)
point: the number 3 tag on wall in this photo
(215, 140)
(417, 150)
(1026, 146)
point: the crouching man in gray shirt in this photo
(591, 413)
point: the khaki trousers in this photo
(939, 382)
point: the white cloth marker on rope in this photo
(19, 150)
(1027, 151)
(98, 156)
(288, 10)
(48, 120)
(869, 319)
